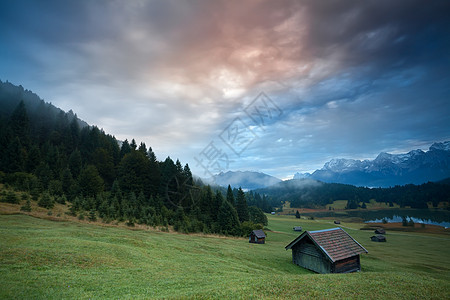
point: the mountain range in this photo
(414, 167)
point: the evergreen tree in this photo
(143, 149)
(125, 149)
(46, 201)
(241, 206)
(26, 206)
(134, 173)
(66, 180)
(133, 144)
(19, 122)
(33, 159)
(257, 216)
(230, 196)
(11, 197)
(14, 156)
(92, 215)
(104, 163)
(90, 181)
(228, 219)
(297, 214)
(75, 163)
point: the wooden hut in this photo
(380, 231)
(257, 236)
(327, 251)
(297, 228)
(378, 238)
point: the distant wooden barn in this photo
(327, 251)
(257, 236)
(380, 231)
(378, 238)
(297, 228)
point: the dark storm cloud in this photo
(353, 78)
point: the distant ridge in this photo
(248, 180)
(11, 95)
(414, 167)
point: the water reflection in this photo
(427, 216)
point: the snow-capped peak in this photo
(341, 164)
(444, 146)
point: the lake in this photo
(427, 216)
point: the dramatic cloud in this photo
(352, 78)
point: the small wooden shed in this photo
(327, 251)
(297, 228)
(257, 236)
(378, 238)
(380, 231)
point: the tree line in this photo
(54, 157)
(312, 194)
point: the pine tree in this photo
(66, 180)
(297, 214)
(46, 201)
(125, 149)
(11, 197)
(241, 206)
(257, 216)
(14, 156)
(92, 215)
(26, 206)
(230, 196)
(90, 181)
(133, 144)
(143, 149)
(228, 219)
(75, 163)
(19, 121)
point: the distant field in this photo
(42, 259)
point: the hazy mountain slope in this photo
(246, 179)
(11, 95)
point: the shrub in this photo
(61, 199)
(26, 206)
(46, 201)
(92, 215)
(11, 197)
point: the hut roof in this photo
(259, 233)
(380, 231)
(335, 243)
(378, 238)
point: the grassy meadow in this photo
(44, 259)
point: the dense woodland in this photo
(56, 157)
(310, 193)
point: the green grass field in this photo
(41, 259)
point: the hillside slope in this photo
(45, 259)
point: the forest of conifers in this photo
(56, 157)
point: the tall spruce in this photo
(230, 196)
(241, 206)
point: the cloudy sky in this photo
(272, 86)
